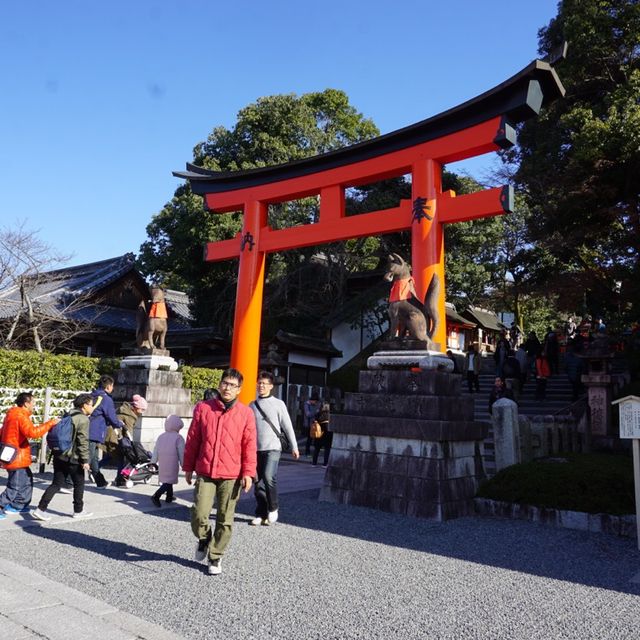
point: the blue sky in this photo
(100, 101)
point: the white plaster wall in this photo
(350, 341)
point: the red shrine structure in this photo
(485, 123)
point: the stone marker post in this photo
(506, 433)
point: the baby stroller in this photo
(138, 467)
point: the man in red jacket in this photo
(17, 428)
(221, 449)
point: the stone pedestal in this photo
(406, 443)
(406, 359)
(162, 390)
(153, 359)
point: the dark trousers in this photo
(325, 441)
(266, 489)
(165, 487)
(473, 381)
(62, 469)
(541, 388)
(98, 478)
(19, 489)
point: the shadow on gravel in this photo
(108, 548)
(595, 560)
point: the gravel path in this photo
(328, 571)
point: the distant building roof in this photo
(179, 302)
(53, 290)
(455, 318)
(486, 319)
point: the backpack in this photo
(60, 438)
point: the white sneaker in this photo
(273, 516)
(82, 514)
(40, 515)
(257, 521)
(214, 567)
(65, 490)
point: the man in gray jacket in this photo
(272, 419)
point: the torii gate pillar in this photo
(427, 240)
(248, 312)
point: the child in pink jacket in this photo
(168, 454)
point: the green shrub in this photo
(33, 370)
(198, 380)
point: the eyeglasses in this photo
(265, 383)
(229, 385)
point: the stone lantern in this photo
(598, 381)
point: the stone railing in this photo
(521, 439)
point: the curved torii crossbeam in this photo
(485, 123)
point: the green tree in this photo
(579, 162)
(273, 130)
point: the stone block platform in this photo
(406, 443)
(164, 393)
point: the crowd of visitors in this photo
(230, 447)
(517, 359)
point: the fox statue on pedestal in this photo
(408, 316)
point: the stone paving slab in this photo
(15, 631)
(64, 622)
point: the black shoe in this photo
(156, 501)
(201, 549)
(169, 499)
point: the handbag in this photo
(315, 431)
(282, 436)
(8, 453)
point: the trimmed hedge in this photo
(33, 370)
(199, 379)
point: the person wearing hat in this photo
(128, 414)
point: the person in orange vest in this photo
(17, 428)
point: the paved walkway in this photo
(323, 571)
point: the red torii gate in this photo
(485, 123)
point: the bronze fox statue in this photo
(408, 316)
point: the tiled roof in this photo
(486, 319)
(52, 290)
(454, 317)
(116, 318)
(178, 302)
(53, 293)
